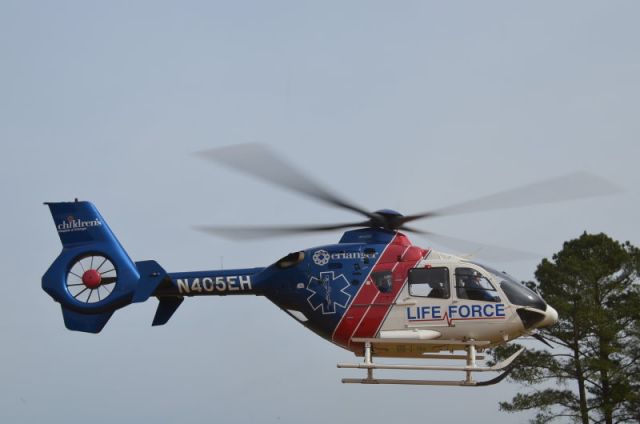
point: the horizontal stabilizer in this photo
(88, 323)
(166, 308)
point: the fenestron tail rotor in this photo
(91, 278)
(93, 275)
(261, 162)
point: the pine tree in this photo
(593, 374)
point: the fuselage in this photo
(376, 284)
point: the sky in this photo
(407, 105)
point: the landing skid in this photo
(471, 355)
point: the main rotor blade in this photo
(251, 233)
(261, 162)
(577, 185)
(474, 249)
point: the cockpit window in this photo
(429, 282)
(472, 285)
(516, 292)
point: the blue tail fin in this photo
(93, 275)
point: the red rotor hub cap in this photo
(91, 278)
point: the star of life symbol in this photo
(328, 292)
(321, 257)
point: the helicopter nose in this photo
(550, 317)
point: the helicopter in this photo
(373, 293)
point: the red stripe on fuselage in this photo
(366, 313)
(382, 304)
(381, 298)
(354, 314)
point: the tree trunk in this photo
(604, 350)
(607, 409)
(607, 401)
(582, 392)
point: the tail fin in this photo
(93, 276)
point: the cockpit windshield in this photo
(516, 292)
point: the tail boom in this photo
(94, 276)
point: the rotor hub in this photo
(91, 278)
(387, 219)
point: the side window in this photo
(429, 282)
(383, 281)
(472, 285)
